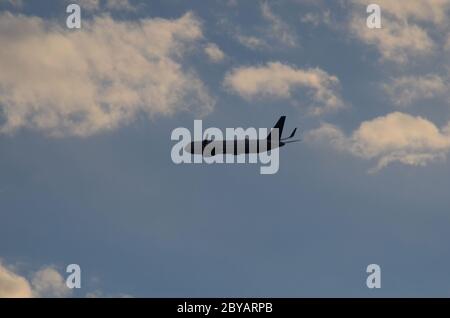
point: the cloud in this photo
(235, 31)
(13, 285)
(214, 53)
(279, 30)
(396, 137)
(251, 42)
(433, 11)
(273, 34)
(279, 80)
(80, 82)
(46, 282)
(122, 5)
(106, 5)
(316, 19)
(406, 30)
(100, 294)
(396, 40)
(89, 5)
(405, 90)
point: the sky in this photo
(86, 175)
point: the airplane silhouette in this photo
(244, 146)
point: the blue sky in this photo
(86, 175)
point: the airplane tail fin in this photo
(279, 125)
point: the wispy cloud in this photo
(251, 42)
(214, 53)
(405, 90)
(397, 41)
(89, 5)
(433, 11)
(316, 19)
(123, 5)
(106, 5)
(406, 27)
(279, 30)
(277, 80)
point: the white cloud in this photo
(100, 294)
(408, 27)
(406, 90)
(396, 40)
(89, 5)
(316, 19)
(279, 80)
(251, 42)
(214, 53)
(105, 5)
(272, 35)
(46, 282)
(279, 29)
(13, 285)
(434, 11)
(235, 31)
(396, 137)
(123, 5)
(97, 78)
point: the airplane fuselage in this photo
(232, 147)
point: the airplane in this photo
(245, 146)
